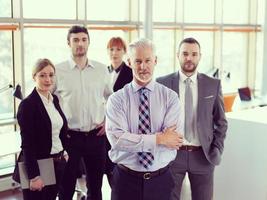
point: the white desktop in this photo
(243, 171)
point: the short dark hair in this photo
(78, 29)
(190, 41)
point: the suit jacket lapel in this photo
(124, 77)
(175, 83)
(200, 92)
(43, 112)
(118, 83)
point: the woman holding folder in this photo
(43, 132)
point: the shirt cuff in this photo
(149, 143)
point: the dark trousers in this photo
(200, 173)
(130, 187)
(48, 192)
(92, 149)
(109, 165)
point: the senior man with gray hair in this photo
(143, 126)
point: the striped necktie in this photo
(145, 158)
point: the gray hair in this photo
(141, 43)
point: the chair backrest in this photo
(228, 102)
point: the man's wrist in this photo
(159, 136)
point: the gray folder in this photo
(47, 173)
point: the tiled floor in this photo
(11, 195)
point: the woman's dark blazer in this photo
(36, 131)
(125, 76)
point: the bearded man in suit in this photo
(205, 123)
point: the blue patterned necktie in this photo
(145, 158)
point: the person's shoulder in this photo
(166, 77)
(127, 72)
(122, 93)
(165, 90)
(207, 78)
(30, 100)
(62, 65)
(97, 64)
(126, 67)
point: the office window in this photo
(259, 63)
(206, 41)
(235, 12)
(48, 43)
(6, 75)
(234, 60)
(49, 9)
(6, 129)
(7, 161)
(165, 44)
(7, 164)
(199, 11)
(260, 11)
(5, 8)
(98, 46)
(115, 10)
(164, 11)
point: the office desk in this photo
(243, 171)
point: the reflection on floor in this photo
(16, 194)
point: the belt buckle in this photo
(189, 149)
(147, 176)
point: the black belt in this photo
(144, 175)
(85, 133)
(190, 148)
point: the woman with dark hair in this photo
(43, 129)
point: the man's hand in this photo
(170, 138)
(102, 130)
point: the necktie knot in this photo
(188, 81)
(143, 90)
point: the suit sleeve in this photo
(219, 121)
(25, 118)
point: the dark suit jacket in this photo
(125, 76)
(211, 120)
(36, 132)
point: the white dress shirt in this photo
(83, 93)
(122, 125)
(56, 122)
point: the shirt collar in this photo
(183, 77)
(73, 64)
(111, 69)
(44, 99)
(150, 86)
